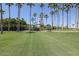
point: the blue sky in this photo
(36, 9)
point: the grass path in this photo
(39, 43)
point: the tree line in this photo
(55, 8)
(13, 22)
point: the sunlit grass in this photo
(39, 43)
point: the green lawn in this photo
(39, 43)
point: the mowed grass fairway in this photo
(39, 43)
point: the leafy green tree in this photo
(13, 24)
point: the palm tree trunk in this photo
(9, 20)
(30, 20)
(18, 20)
(42, 16)
(41, 22)
(1, 19)
(52, 21)
(76, 19)
(54, 18)
(35, 21)
(58, 20)
(70, 18)
(46, 23)
(67, 19)
(62, 19)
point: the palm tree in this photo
(46, 16)
(57, 13)
(19, 5)
(2, 12)
(30, 5)
(62, 8)
(42, 6)
(67, 11)
(51, 6)
(9, 7)
(77, 15)
(71, 6)
(33, 20)
(75, 5)
(52, 13)
(35, 15)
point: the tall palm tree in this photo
(35, 15)
(30, 5)
(2, 12)
(52, 13)
(62, 8)
(33, 19)
(77, 15)
(42, 13)
(9, 9)
(71, 6)
(75, 5)
(46, 16)
(52, 6)
(57, 14)
(19, 5)
(67, 11)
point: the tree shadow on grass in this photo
(31, 32)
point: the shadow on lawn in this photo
(31, 32)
